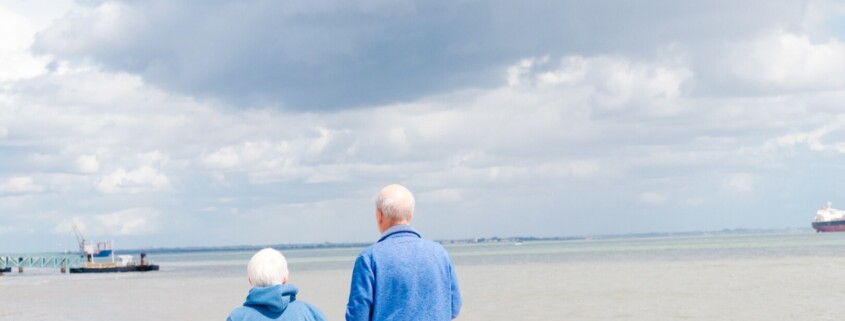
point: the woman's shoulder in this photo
(241, 313)
(305, 309)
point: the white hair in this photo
(267, 267)
(396, 203)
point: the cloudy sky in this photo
(202, 123)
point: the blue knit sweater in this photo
(276, 302)
(403, 277)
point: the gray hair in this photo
(267, 267)
(396, 203)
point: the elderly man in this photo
(270, 297)
(402, 276)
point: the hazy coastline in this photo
(477, 240)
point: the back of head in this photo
(267, 267)
(396, 203)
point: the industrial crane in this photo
(79, 239)
(103, 249)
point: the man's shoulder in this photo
(368, 251)
(434, 244)
(389, 246)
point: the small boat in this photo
(5, 270)
(829, 219)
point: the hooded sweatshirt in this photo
(277, 302)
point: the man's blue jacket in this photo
(403, 277)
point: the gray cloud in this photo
(324, 55)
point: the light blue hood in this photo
(271, 298)
(275, 303)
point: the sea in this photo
(785, 275)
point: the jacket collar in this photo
(398, 229)
(275, 298)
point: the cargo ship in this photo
(829, 219)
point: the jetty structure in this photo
(75, 264)
(84, 262)
(64, 262)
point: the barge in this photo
(124, 265)
(109, 268)
(91, 250)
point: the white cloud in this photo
(652, 198)
(20, 185)
(294, 159)
(791, 61)
(520, 72)
(153, 158)
(446, 195)
(813, 139)
(139, 180)
(135, 221)
(609, 82)
(252, 156)
(87, 164)
(106, 26)
(7, 229)
(223, 158)
(398, 136)
(65, 227)
(556, 170)
(319, 144)
(16, 35)
(741, 182)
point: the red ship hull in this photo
(831, 226)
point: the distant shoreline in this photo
(479, 240)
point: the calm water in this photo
(795, 276)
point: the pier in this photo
(63, 262)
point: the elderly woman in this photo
(270, 297)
